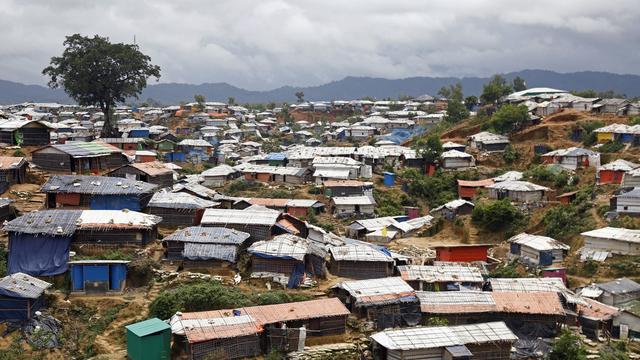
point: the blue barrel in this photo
(117, 275)
(389, 178)
(77, 277)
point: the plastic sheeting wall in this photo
(115, 202)
(38, 255)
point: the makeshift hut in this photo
(388, 302)
(537, 250)
(218, 176)
(259, 222)
(21, 296)
(205, 247)
(353, 206)
(453, 208)
(149, 340)
(474, 341)
(360, 262)
(97, 192)
(462, 252)
(153, 172)
(442, 277)
(467, 188)
(521, 191)
(13, 170)
(24, 132)
(614, 172)
(613, 240)
(178, 209)
(78, 157)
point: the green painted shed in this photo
(149, 340)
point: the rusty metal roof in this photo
(535, 302)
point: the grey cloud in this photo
(261, 44)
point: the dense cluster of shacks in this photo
(116, 192)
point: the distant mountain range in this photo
(345, 89)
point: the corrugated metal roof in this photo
(54, 222)
(373, 291)
(572, 151)
(620, 286)
(208, 235)
(456, 302)
(475, 183)
(343, 183)
(509, 176)
(489, 138)
(153, 168)
(333, 173)
(11, 162)
(86, 149)
(22, 286)
(220, 170)
(517, 186)
(353, 200)
(453, 204)
(537, 242)
(358, 253)
(258, 316)
(612, 233)
(528, 284)
(531, 302)
(281, 246)
(620, 165)
(451, 154)
(173, 200)
(107, 219)
(206, 251)
(96, 185)
(249, 216)
(441, 273)
(195, 142)
(416, 338)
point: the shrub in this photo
(510, 154)
(568, 346)
(611, 147)
(508, 270)
(563, 222)
(496, 215)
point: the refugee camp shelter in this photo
(487, 141)
(97, 192)
(522, 191)
(98, 276)
(456, 160)
(618, 291)
(78, 157)
(21, 295)
(467, 189)
(360, 262)
(442, 276)
(474, 341)
(537, 250)
(178, 209)
(353, 205)
(626, 201)
(149, 340)
(218, 176)
(24, 132)
(116, 228)
(153, 172)
(388, 302)
(13, 170)
(614, 172)
(462, 252)
(631, 178)
(205, 247)
(613, 240)
(7, 212)
(453, 208)
(259, 222)
(572, 158)
(249, 331)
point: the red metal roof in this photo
(331, 183)
(269, 202)
(597, 310)
(535, 302)
(475, 183)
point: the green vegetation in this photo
(437, 321)
(93, 71)
(585, 129)
(625, 266)
(437, 189)
(615, 350)
(429, 149)
(456, 109)
(497, 215)
(519, 84)
(509, 118)
(568, 346)
(390, 204)
(212, 295)
(508, 270)
(3, 260)
(611, 147)
(551, 176)
(496, 88)
(564, 222)
(510, 154)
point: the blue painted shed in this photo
(98, 276)
(626, 138)
(139, 133)
(21, 296)
(174, 157)
(389, 178)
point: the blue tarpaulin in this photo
(38, 255)
(297, 276)
(115, 202)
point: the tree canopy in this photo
(496, 88)
(94, 71)
(519, 84)
(568, 346)
(429, 149)
(509, 118)
(452, 92)
(300, 96)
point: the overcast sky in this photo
(264, 44)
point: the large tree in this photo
(496, 88)
(94, 71)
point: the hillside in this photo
(347, 88)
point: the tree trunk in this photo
(108, 130)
